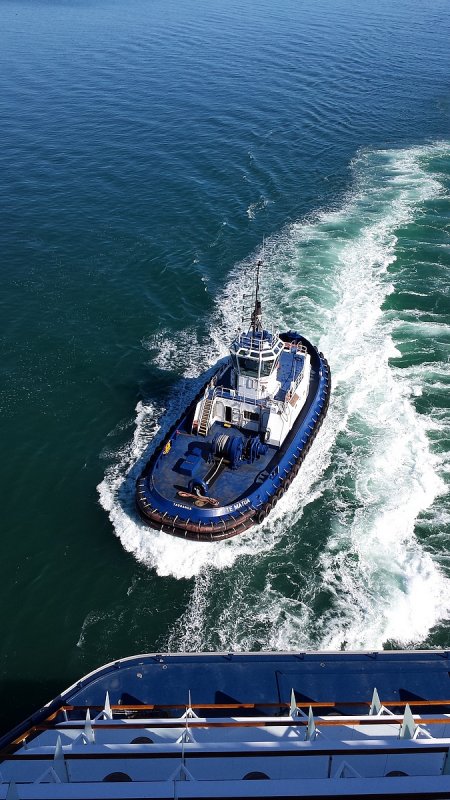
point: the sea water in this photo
(147, 149)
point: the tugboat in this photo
(236, 449)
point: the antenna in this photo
(257, 311)
(256, 319)
(256, 315)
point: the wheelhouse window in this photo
(248, 366)
(266, 367)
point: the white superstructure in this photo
(266, 388)
(123, 752)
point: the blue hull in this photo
(249, 494)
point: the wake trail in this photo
(380, 584)
(371, 467)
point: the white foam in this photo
(258, 205)
(328, 276)
(382, 584)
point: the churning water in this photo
(146, 150)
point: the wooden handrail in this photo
(276, 721)
(266, 723)
(260, 704)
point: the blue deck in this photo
(269, 677)
(230, 485)
(290, 367)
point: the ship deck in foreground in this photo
(247, 725)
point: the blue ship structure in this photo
(240, 725)
(236, 449)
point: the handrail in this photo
(207, 723)
(224, 391)
(265, 722)
(259, 704)
(51, 723)
(256, 343)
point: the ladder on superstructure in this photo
(206, 414)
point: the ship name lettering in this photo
(241, 503)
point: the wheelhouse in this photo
(257, 355)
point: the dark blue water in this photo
(146, 148)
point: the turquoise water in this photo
(146, 149)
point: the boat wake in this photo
(338, 563)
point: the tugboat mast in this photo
(256, 322)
